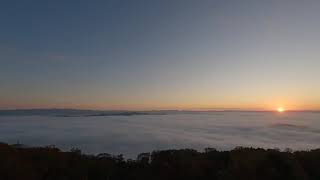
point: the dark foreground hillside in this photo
(50, 163)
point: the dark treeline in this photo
(49, 163)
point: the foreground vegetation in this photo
(49, 163)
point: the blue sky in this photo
(160, 54)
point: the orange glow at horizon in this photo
(270, 104)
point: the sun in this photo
(280, 109)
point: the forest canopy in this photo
(49, 163)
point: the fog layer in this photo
(130, 135)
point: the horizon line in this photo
(190, 110)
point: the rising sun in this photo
(280, 109)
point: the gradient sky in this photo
(164, 54)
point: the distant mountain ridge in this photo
(73, 112)
(87, 112)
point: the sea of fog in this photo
(130, 135)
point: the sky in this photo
(160, 54)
